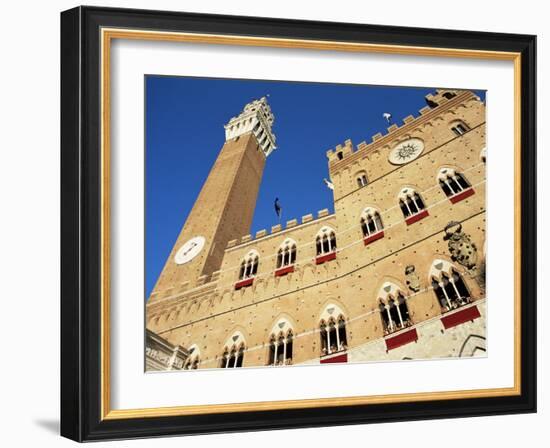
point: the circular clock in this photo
(406, 151)
(189, 250)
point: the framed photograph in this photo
(276, 224)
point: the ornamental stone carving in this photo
(461, 247)
(412, 279)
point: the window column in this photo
(442, 286)
(390, 321)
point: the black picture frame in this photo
(81, 224)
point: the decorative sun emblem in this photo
(406, 151)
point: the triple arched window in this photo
(280, 348)
(233, 357)
(193, 359)
(411, 203)
(332, 329)
(371, 223)
(233, 353)
(191, 364)
(325, 241)
(449, 286)
(249, 265)
(451, 182)
(286, 255)
(394, 310)
(333, 335)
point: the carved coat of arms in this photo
(461, 247)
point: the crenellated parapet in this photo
(278, 229)
(440, 102)
(340, 152)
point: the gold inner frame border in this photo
(107, 35)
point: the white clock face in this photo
(406, 151)
(189, 250)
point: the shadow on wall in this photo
(51, 425)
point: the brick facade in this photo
(200, 303)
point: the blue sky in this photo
(184, 133)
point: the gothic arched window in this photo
(249, 265)
(412, 205)
(394, 310)
(325, 241)
(332, 327)
(333, 335)
(193, 359)
(286, 255)
(280, 348)
(191, 364)
(451, 182)
(449, 286)
(371, 223)
(233, 352)
(459, 128)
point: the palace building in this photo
(396, 272)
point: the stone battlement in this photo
(278, 228)
(340, 156)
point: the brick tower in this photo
(225, 206)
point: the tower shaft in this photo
(224, 208)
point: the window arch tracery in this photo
(393, 307)
(332, 328)
(412, 205)
(249, 265)
(371, 222)
(286, 255)
(325, 241)
(281, 344)
(233, 352)
(449, 286)
(451, 182)
(193, 359)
